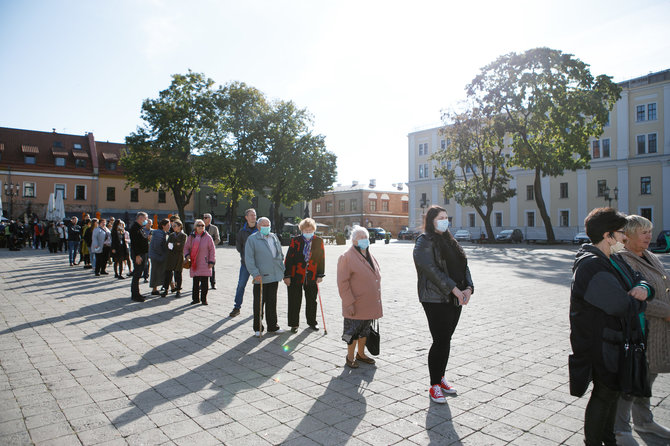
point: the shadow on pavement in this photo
(438, 425)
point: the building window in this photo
(651, 143)
(424, 172)
(471, 220)
(111, 194)
(530, 219)
(29, 190)
(639, 113)
(59, 161)
(77, 146)
(564, 218)
(353, 204)
(58, 144)
(498, 219)
(595, 149)
(29, 159)
(600, 148)
(646, 213)
(564, 190)
(341, 206)
(385, 205)
(373, 205)
(443, 144)
(405, 206)
(602, 185)
(651, 112)
(420, 149)
(161, 196)
(317, 208)
(446, 200)
(530, 193)
(79, 162)
(329, 206)
(80, 192)
(646, 144)
(645, 185)
(134, 195)
(60, 189)
(110, 165)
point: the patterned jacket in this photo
(297, 268)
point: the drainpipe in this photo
(96, 169)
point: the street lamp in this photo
(211, 203)
(424, 203)
(11, 191)
(606, 195)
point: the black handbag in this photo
(372, 341)
(633, 368)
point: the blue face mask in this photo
(442, 225)
(363, 243)
(144, 223)
(265, 230)
(308, 235)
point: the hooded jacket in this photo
(599, 309)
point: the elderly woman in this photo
(158, 254)
(304, 269)
(201, 251)
(175, 258)
(638, 235)
(444, 286)
(359, 284)
(606, 297)
(119, 247)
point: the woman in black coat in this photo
(119, 247)
(605, 296)
(175, 258)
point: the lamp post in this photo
(606, 195)
(211, 203)
(424, 203)
(11, 191)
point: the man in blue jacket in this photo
(242, 236)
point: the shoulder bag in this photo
(372, 341)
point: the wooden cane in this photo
(260, 313)
(323, 318)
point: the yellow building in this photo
(630, 169)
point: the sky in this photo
(369, 72)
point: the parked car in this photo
(408, 234)
(378, 233)
(581, 238)
(463, 235)
(510, 235)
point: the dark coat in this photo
(175, 256)
(139, 245)
(599, 308)
(296, 268)
(434, 283)
(242, 237)
(158, 246)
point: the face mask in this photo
(617, 248)
(308, 235)
(442, 225)
(363, 243)
(144, 223)
(265, 230)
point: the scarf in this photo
(194, 250)
(307, 249)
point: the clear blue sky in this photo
(369, 71)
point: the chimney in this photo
(373, 183)
(354, 183)
(54, 129)
(94, 152)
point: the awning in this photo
(59, 152)
(110, 156)
(79, 154)
(30, 149)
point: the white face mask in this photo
(617, 248)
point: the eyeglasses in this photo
(200, 226)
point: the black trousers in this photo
(101, 260)
(138, 270)
(200, 289)
(295, 301)
(269, 304)
(442, 321)
(168, 278)
(600, 415)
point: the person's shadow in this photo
(439, 426)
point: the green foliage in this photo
(551, 105)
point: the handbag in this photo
(633, 367)
(372, 341)
(186, 264)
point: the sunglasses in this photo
(200, 226)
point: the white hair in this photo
(264, 219)
(357, 231)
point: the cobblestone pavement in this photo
(82, 364)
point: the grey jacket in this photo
(98, 239)
(259, 260)
(213, 230)
(158, 246)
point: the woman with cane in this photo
(304, 269)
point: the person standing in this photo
(73, 238)
(201, 251)
(175, 258)
(243, 277)
(304, 269)
(213, 231)
(53, 238)
(62, 236)
(158, 255)
(444, 287)
(119, 247)
(139, 247)
(265, 262)
(359, 285)
(101, 241)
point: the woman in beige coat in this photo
(359, 283)
(638, 234)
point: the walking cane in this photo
(260, 313)
(323, 318)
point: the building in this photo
(630, 169)
(363, 205)
(85, 171)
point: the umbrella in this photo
(59, 211)
(49, 214)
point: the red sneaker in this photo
(436, 394)
(446, 388)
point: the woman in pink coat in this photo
(201, 251)
(359, 284)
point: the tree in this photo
(475, 146)
(237, 142)
(551, 106)
(165, 153)
(296, 165)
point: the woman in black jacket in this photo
(444, 286)
(606, 295)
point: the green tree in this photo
(164, 153)
(475, 147)
(296, 165)
(551, 106)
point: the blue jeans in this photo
(72, 248)
(241, 285)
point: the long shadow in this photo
(243, 367)
(439, 426)
(343, 399)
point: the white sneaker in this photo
(257, 334)
(436, 394)
(625, 439)
(653, 428)
(278, 331)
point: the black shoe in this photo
(155, 292)
(164, 294)
(294, 329)
(235, 312)
(129, 274)
(314, 327)
(193, 302)
(137, 298)
(97, 274)
(120, 277)
(104, 273)
(178, 295)
(213, 287)
(204, 302)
